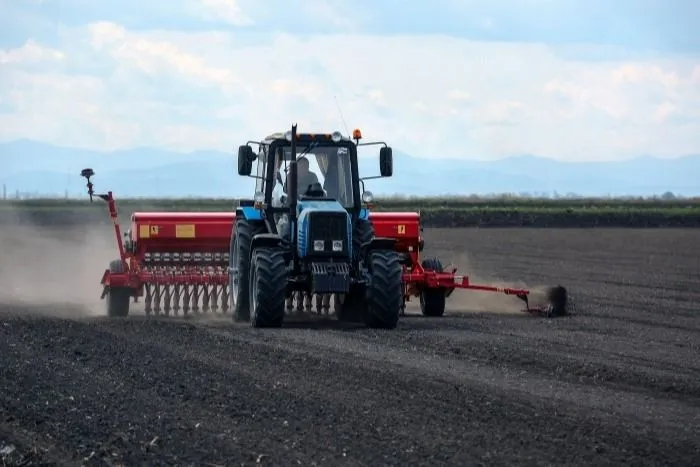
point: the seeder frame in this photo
(404, 227)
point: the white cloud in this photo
(696, 75)
(105, 33)
(154, 57)
(224, 10)
(428, 95)
(30, 52)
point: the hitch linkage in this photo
(87, 174)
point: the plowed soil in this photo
(616, 383)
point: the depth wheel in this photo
(385, 292)
(268, 285)
(118, 298)
(558, 301)
(432, 300)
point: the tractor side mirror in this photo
(386, 162)
(245, 160)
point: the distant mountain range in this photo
(35, 168)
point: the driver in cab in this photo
(305, 177)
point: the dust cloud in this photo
(53, 270)
(465, 301)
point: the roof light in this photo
(356, 134)
(288, 135)
(336, 136)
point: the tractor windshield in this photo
(328, 165)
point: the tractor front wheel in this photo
(239, 255)
(432, 300)
(352, 308)
(385, 292)
(267, 286)
(362, 232)
(118, 298)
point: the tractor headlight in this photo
(367, 197)
(337, 245)
(288, 135)
(336, 136)
(319, 245)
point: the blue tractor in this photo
(307, 233)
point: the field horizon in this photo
(436, 211)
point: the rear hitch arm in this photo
(113, 214)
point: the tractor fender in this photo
(249, 213)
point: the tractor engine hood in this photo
(324, 229)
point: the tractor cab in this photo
(312, 167)
(322, 171)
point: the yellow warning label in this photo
(401, 229)
(184, 231)
(144, 231)
(154, 230)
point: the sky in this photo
(570, 80)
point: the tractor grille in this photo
(329, 227)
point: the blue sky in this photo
(572, 80)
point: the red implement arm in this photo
(451, 280)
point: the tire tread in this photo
(271, 272)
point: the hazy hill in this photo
(39, 168)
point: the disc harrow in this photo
(432, 283)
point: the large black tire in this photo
(118, 298)
(268, 284)
(385, 292)
(354, 305)
(239, 258)
(558, 301)
(362, 232)
(432, 300)
(352, 310)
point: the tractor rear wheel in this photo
(239, 259)
(268, 284)
(385, 292)
(432, 300)
(118, 298)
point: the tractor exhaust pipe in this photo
(293, 191)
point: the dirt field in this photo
(617, 383)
